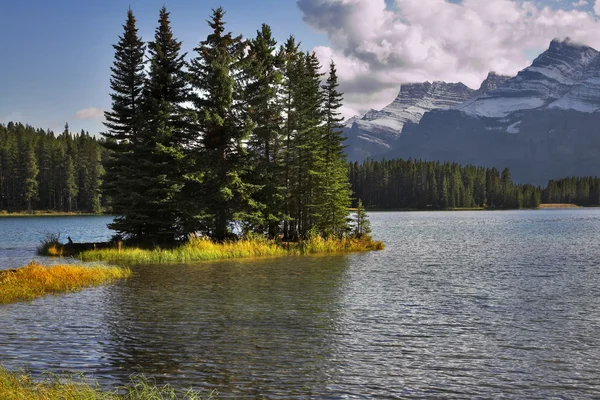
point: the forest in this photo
(416, 184)
(42, 171)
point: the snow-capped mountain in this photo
(375, 131)
(551, 77)
(542, 123)
(414, 100)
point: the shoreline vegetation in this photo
(36, 280)
(18, 385)
(204, 249)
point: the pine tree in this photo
(30, 169)
(334, 188)
(160, 154)
(263, 66)
(291, 81)
(362, 225)
(122, 183)
(225, 194)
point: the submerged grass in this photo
(201, 249)
(36, 280)
(18, 386)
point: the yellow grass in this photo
(18, 386)
(201, 249)
(36, 280)
(559, 205)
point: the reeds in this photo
(202, 249)
(18, 386)
(35, 280)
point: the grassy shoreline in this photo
(36, 280)
(20, 386)
(201, 249)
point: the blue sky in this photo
(57, 59)
(56, 54)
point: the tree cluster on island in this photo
(42, 171)
(245, 136)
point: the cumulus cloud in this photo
(597, 7)
(378, 47)
(91, 113)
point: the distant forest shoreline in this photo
(46, 174)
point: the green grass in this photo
(19, 386)
(200, 249)
(35, 280)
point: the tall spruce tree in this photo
(290, 83)
(334, 187)
(308, 165)
(263, 72)
(160, 154)
(121, 183)
(225, 194)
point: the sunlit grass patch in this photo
(203, 249)
(19, 386)
(36, 280)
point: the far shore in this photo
(45, 213)
(559, 205)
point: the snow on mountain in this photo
(412, 102)
(554, 74)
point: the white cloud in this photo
(580, 3)
(597, 7)
(92, 113)
(377, 48)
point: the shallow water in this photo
(461, 304)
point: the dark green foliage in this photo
(223, 124)
(583, 191)
(362, 226)
(259, 150)
(39, 171)
(122, 183)
(412, 184)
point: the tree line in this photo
(416, 184)
(244, 137)
(42, 171)
(581, 191)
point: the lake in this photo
(460, 304)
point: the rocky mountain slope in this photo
(541, 123)
(376, 131)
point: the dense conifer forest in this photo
(43, 171)
(416, 184)
(581, 191)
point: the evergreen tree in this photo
(225, 194)
(362, 225)
(122, 183)
(334, 187)
(263, 71)
(157, 215)
(30, 167)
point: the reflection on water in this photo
(458, 305)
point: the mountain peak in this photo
(492, 81)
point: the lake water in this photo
(460, 304)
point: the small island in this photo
(237, 152)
